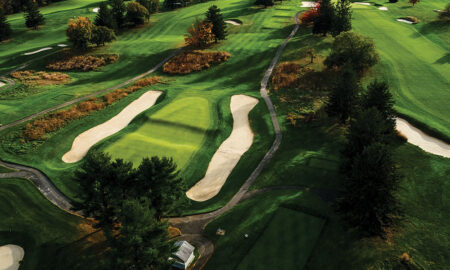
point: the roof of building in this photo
(184, 251)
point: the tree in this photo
(445, 14)
(265, 3)
(173, 4)
(151, 5)
(5, 28)
(323, 23)
(103, 185)
(343, 97)
(105, 17)
(308, 17)
(413, 2)
(200, 35)
(214, 16)
(352, 49)
(379, 97)
(158, 180)
(33, 17)
(368, 202)
(142, 242)
(102, 35)
(137, 13)
(79, 32)
(342, 21)
(118, 11)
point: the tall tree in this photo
(137, 13)
(158, 179)
(118, 11)
(102, 35)
(379, 97)
(33, 17)
(265, 3)
(5, 28)
(79, 32)
(368, 202)
(105, 17)
(214, 16)
(142, 242)
(323, 23)
(343, 97)
(342, 21)
(352, 49)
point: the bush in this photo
(102, 35)
(286, 76)
(200, 35)
(32, 77)
(83, 62)
(187, 62)
(137, 13)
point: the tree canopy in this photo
(323, 22)
(137, 14)
(5, 27)
(33, 17)
(342, 20)
(214, 16)
(105, 17)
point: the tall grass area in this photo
(29, 220)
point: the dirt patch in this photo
(82, 62)
(229, 152)
(10, 257)
(188, 62)
(31, 77)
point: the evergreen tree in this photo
(118, 11)
(105, 17)
(265, 3)
(343, 17)
(142, 242)
(323, 23)
(379, 97)
(158, 180)
(369, 201)
(343, 97)
(214, 16)
(5, 28)
(33, 17)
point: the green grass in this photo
(286, 243)
(32, 222)
(177, 131)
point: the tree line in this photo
(14, 6)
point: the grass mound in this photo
(188, 62)
(83, 62)
(31, 77)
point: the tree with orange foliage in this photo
(309, 16)
(79, 32)
(200, 35)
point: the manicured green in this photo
(29, 220)
(286, 242)
(177, 131)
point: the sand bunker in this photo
(2, 84)
(383, 8)
(89, 138)
(422, 140)
(10, 256)
(232, 22)
(229, 152)
(404, 21)
(38, 51)
(362, 3)
(308, 4)
(95, 10)
(62, 45)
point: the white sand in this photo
(62, 45)
(229, 152)
(232, 22)
(2, 83)
(10, 256)
(89, 138)
(383, 8)
(308, 4)
(362, 3)
(95, 10)
(38, 51)
(404, 21)
(422, 140)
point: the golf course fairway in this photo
(177, 130)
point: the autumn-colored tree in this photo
(413, 2)
(309, 16)
(79, 32)
(200, 35)
(137, 13)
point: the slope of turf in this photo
(29, 220)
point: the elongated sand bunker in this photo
(95, 10)
(404, 21)
(229, 152)
(232, 22)
(2, 84)
(308, 4)
(422, 140)
(89, 138)
(383, 8)
(10, 257)
(62, 45)
(38, 51)
(362, 3)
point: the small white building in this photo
(184, 256)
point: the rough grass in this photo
(31, 77)
(83, 62)
(191, 61)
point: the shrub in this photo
(83, 62)
(286, 75)
(200, 35)
(32, 77)
(102, 35)
(187, 62)
(137, 13)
